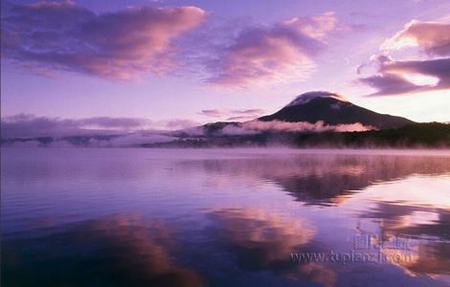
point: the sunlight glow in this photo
(421, 80)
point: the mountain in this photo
(314, 119)
(333, 109)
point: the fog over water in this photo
(225, 217)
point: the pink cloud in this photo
(392, 77)
(117, 45)
(319, 126)
(256, 126)
(431, 72)
(282, 52)
(232, 115)
(315, 27)
(24, 125)
(213, 113)
(432, 38)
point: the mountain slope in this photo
(333, 110)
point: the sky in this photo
(181, 63)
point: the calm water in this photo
(154, 217)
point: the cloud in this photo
(115, 45)
(138, 41)
(388, 84)
(232, 115)
(175, 124)
(113, 123)
(430, 37)
(213, 113)
(319, 126)
(256, 126)
(132, 139)
(402, 77)
(315, 27)
(253, 127)
(271, 54)
(24, 125)
(411, 76)
(247, 111)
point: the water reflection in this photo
(425, 229)
(262, 240)
(323, 179)
(221, 218)
(111, 251)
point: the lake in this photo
(218, 217)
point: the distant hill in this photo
(418, 135)
(426, 135)
(332, 109)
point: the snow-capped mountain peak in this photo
(307, 97)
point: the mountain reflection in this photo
(225, 218)
(323, 179)
(263, 241)
(111, 251)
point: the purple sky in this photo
(201, 61)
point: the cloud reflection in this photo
(118, 250)
(263, 240)
(425, 229)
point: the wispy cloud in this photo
(319, 126)
(24, 125)
(256, 126)
(411, 76)
(271, 54)
(116, 45)
(232, 114)
(213, 113)
(138, 41)
(402, 77)
(432, 38)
